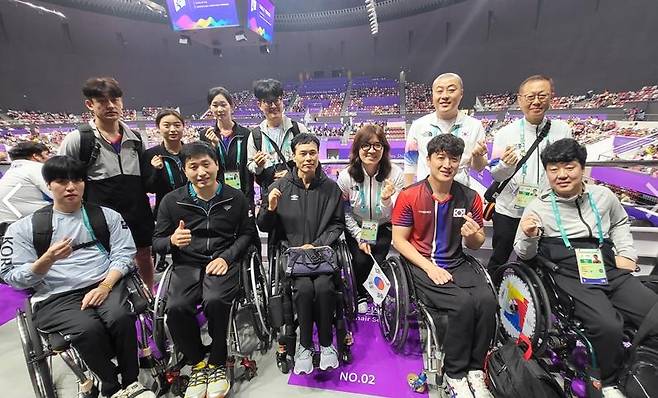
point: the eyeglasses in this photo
(271, 102)
(531, 97)
(376, 146)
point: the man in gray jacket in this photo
(576, 226)
(77, 284)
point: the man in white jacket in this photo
(509, 146)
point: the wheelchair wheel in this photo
(349, 281)
(255, 289)
(35, 359)
(395, 307)
(524, 305)
(159, 307)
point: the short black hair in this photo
(215, 91)
(197, 149)
(63, 168)
(268, 90)
(304, 138)
(447, 143)
(168, 112)
(25, 150)
(535, 78)
(564, 151)
(99, 87)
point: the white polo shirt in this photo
(522, 133)
(429, 126)
(22, 190)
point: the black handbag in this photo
(309, 262)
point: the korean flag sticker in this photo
(459, 213)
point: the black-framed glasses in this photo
(367, 146)
(272, 102)
(531, 97)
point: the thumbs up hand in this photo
(181, 236)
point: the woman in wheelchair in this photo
(306, 207)
(369, 186)
(572, 225)
(430, 220)
(77, 281)
(207, 227)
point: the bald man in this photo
(447, 93)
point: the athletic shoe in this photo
(218, 384)
(303, 361)
(135, 390)
(456, 388)
(198, 384)
(612, 392)
(328, 358)
(478, 386)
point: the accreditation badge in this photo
(591, 267)
(525, 195)
(232, 179)
(369, 232)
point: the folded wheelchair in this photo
(282, 313)
(249, 329)
(404, 305)
(39, 347)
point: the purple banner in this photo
(375, 369)
(202, 14)
(260, 18)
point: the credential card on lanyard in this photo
(377, 284)
(232, 179)
(591, 267)
(369, 232)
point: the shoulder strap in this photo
(540, 137)
(89, 147)
(258, 138)
(295, 128)
(42, 229)
(98, 224)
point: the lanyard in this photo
(558, 220)
(378, 197)
(85, 220)
(170, 174)
(524, 169)
(221, 150)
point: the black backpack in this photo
(42, 227)
(258, 135)
(511, 375)
(90, 147)
(640, 376)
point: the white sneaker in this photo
(362, 307)
(135, 390)
(328, 358)
(218, 384)
(456, 388)
(478, 384)
(303, 361)
(612, 392)
(198, 384)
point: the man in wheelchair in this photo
(574, 226)
(430, 220)
(77, 281)
(305, 205)
(207, 227)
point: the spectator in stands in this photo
(510, 145)
(268, 148)
(22, 188)
(230, 140)
(112, 152)
(370, 185)
(162, 164)
(447, 93)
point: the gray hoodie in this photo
(578, 221)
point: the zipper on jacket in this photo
(207, 212)
(120, 166)
(583, 220)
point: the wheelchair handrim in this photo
(38, 370)
(263, 328)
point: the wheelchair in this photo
(404, 305)
(534, 309)
(282, 314)
(39, 347)
(248, 329)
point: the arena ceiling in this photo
(292, 15)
